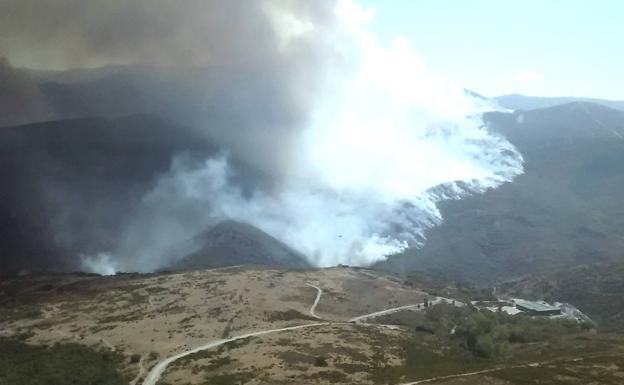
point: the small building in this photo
(536, 307)
(511, 310)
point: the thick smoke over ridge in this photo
(385, 141)
(258, 61)
(354, 138)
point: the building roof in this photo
(539, 306)
(511, 310)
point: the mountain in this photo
(74, 182)
(523, 102)
(564, 210)
(69, 185)
(187, 96)
(72, 187)
(202, 98)
(114, 91)
(232, 243)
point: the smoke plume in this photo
(384, 141)
(355, 140)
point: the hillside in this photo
(269, 326)
(180, 95)
(564, 210)
(68, 186)
(524, 102)
(232, 243)
(153, 316)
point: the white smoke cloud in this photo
(102, 263)
(385, 141)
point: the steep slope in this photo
(68, 186)
(564, 210)
(234, 243)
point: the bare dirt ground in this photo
(151, 318)
(329, 354)
(155, 316)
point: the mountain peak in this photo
(236, 243)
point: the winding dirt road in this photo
(316, 301)
(418, 306)
(156, 372)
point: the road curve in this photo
(436, 301)
(319, 292)
(364, 317)
(154, 374)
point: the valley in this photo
(327, 192)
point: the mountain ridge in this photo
(563, 210)
(525, 102)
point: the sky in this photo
(495, 47)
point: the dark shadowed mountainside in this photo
(75, 182)
(232, 243)
(113, 91)
(523, 102)
(21, 99)
(564, 210)
(69, 186)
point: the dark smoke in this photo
(288, 115)
(64, 34)
(234, 59)
(224, 72)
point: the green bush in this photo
(484, 346)
(489, 334)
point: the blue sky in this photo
(545, 48)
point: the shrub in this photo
(320, 361)
(59, 364)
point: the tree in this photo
(485, 346)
